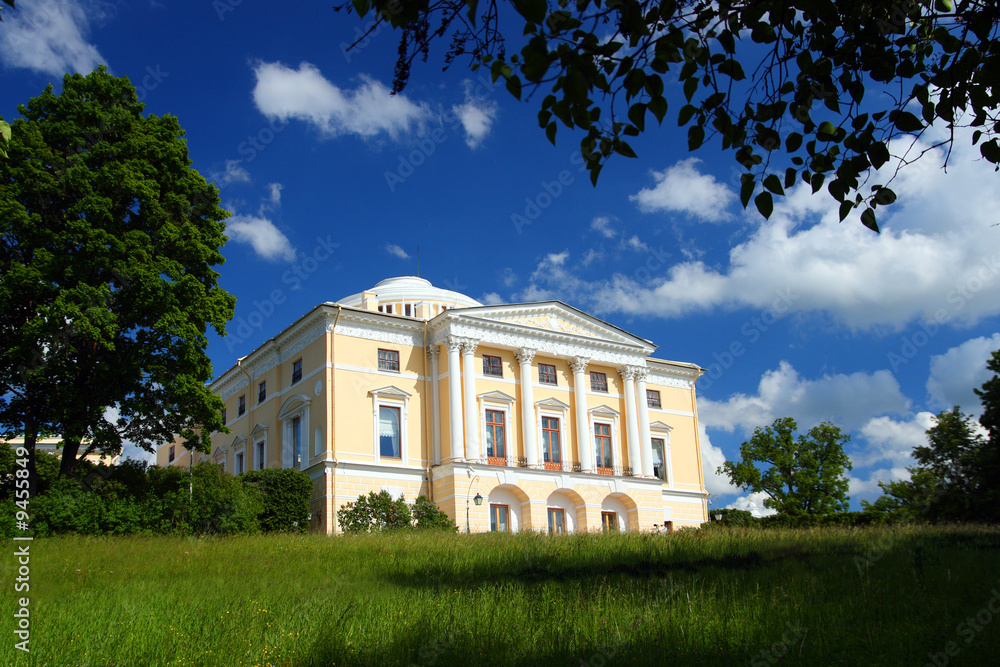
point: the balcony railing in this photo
(574, 466)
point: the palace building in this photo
(526, 416)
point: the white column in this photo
(645, 439)
(471, 415)
(585, 439)
(631, 422)
(524, 357)
(433, 351)
(455, 398)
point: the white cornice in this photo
(372, 326)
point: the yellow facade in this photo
(452, 399)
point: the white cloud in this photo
(635, 244)
(273, 199)
(509, 278)
(304, 94)
(491, 299)
(130, 450)
(936, 257)
(892, 440)
(233, 173)
(848, 401)
(712, 459)
(266, 239)
(51, 36)
(396, 251)
(602, 225)
(591, 256)
(753, 503)
(476, 115)
(958, 372)
(684, 189)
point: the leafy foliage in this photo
(810, 90)
(108, 239)
(803, 475)
(285, 496)
(379, 512)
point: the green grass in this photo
(693, 598)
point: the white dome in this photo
(411, 290)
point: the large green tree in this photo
(803, 475)
(108, 243)
(796, 90)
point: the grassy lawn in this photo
(811, 597)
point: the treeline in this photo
(133, 498)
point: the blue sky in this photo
(333, 185)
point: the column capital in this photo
(579, 364)
(628, 372)
(525, 355)
(641, 374)
(469, 346)
(433, 351)
(454, 343)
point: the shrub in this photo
(220, 504)
(376, 511)
(284, 497)
(428, 516)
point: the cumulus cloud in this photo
(892, 440)
(936, 258)
(491, 299)
(265, 239)
(848, 401)
(305, 94)
(233, 173)
(476, 115)
(396, 251)
(51, 36)
(634, 243)
(602, 225)
(712, 459)
(958, 372)
(273, 199)
(683, 189)
(753, 503)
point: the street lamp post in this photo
(478, 500)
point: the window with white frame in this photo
(553, 417)
(258, 436)
(260, 455)
(495, 416)
(604, 426)
(389, 408)
(294, 420)
(660, 436)
(239, 464)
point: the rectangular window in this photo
(296, 441)
(171, 459)
(498, 519)
(224, 416)
(239, 463)
(550, 443)
(388, 432)
(388, 308)
(407, 308)
(243, 405)
(546, 373)
(496, 444)
(260, 455)
(659, 460)
(598, 381)
(492, 366)
(602, 441)
(388, 360)
(652, 398)
(296, 371)
(609, 522)
(262, 391)
(557, 521)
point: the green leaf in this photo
(623, 148)
(868, 220)
(361, 7)
(658, 105)
(764, 204)
(637, 114)
(817, 182)
(732, 69)
(773, 183)
(686, 112)
(532, 10)
(690, 87)
(878, 154)
(885, 196)
(550, 132)
(595, 171)
(793, 142)
(514, 87)
(845, 209)
(991, 151)
(907, 122)
(746, 189)
(696, 135)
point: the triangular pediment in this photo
(660, 426)
(496, 397)
(389, 392)
(556, 317)
(258, 431)
(551, 404)
(604, 411)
